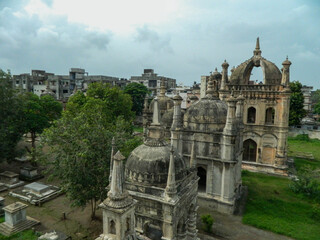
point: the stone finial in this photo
(146, 103)
(224, 79)
(156, 112)
(113, 145)
(155, 130)
(176, 123)
(285, 72)
(171, 188)
(257, 51)
(193, 157)
(162, 88)
(117, 196)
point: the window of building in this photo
(249, 150)
(270, 115)
(65, 91)
(112, 228)
(202, 174)
(251, 115)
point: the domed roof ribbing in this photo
(149, 163)
(271, 73)
(209, 113)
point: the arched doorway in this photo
(249, 150)
(202, 174)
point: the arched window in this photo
(112, 228)
(270, 115)
(202, 174)
(251, 115)
(249, 150)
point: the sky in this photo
(182, 39)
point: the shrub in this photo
(316, 212)
(207, 220)
(307, 183)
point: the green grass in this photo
(24, 235)
(273, 206)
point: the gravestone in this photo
(16, 219)
(3, 187)
(54, 235)
(10, 179)
(29, 173)
(1, 206)
(36, 193)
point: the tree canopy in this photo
(296, 104)
(11, 117)
(39, 113)
(137, 92)
(80, 142)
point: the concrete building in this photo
(62, 86)
(152, 81)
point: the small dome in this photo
(150, 165)
(206, 115)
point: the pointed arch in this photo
(249, 150)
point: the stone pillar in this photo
(192, 224)
(229, 132)
(286, 73)
(176, 124)
(168, 227)
(281, 154)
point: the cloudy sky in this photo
(183, 39)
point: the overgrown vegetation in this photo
(207, 221)
(24, 235)
(272, 205)
(296, 112)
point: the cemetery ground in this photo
(271, 209)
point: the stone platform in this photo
(36, 193)
(10, 179)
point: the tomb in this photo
(1, 206)
(36, 193)
(16, 219)
(54, 235)
(3, 187)
(29, 173)
(10, 179)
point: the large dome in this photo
(206, 115)
(150, 164)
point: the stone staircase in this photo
(8, 230)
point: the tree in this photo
(80, 143)
(11, 118)
(296, 104)
(39, 114)
(137, 92)
(115, 102)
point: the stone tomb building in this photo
(210, 132)
(157, 197)
(266, 111)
